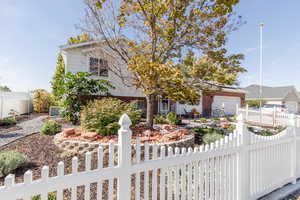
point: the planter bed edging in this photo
(75, 146)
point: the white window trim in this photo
(160, 105)
(89, 66)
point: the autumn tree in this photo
(173, 48)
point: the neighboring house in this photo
(284, 95)
(94, 57)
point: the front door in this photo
(164, 106)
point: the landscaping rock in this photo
(225, 124)
(90, 135)
(147, 133)
(69, 131)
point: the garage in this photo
(229, 104)
(292, 106)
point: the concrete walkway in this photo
(27, 127)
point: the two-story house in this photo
(95, 57)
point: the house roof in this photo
(252, 92)
(71, 46)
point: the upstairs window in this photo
(98, 67)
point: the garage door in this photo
(292, 106)
(229, 104)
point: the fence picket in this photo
(137, 175)
(162, 175)
(154, 173)
(60, 173)
(111, 150)
(99, 195)
(45, 176)
(176, 176)
(87, 189)
(183, 177)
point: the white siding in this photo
(77, 61)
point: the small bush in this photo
(51, 128)
(102, 116)
(42, 100)
(160, 120)
(231, 119)
(173, 119)
(204, 131)
(211, 137)
(7, 122)
(203, 120)
(51, 196)
(9, 161)
(267, 132)
(232, 127)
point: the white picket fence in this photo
(242, 166)
(272, 118)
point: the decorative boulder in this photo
(69, 131)
(224, 124)
(90, 135)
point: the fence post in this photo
(260, 115)
(274, 116)
(292, 120)
(237, 109)
(247, 112)
(243, 160)
(124, 158)
(1, 105)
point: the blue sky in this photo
(32, 30)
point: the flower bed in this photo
(266, 131)
(77, 140)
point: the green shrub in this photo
(160, 120)
(254, 103)
(203, 120)
(102, 116)
(211, 137)
(231, 119)
(10, 161)
(173, 119)
(51, 196)
(232, 127)
(51, 128)
(204, 131)
(7, 122)
(267, 132)
(76, 92)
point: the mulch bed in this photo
(160, 134)
(41, 151)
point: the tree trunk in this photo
(150, 110)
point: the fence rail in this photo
(241, 166)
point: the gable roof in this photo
(278, 93)
(71, 46)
